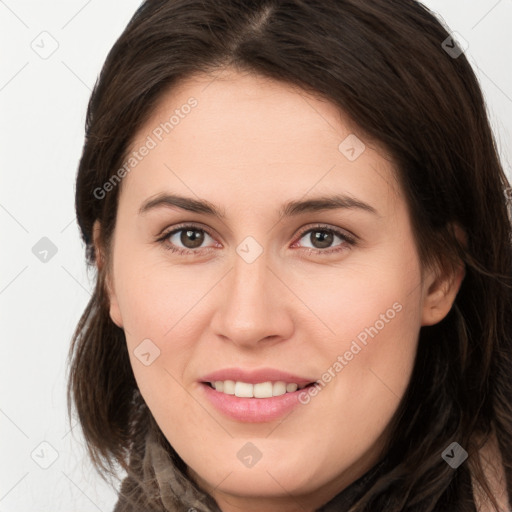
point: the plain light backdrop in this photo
(52, 53)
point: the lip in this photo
(255, 376)
(253, 410)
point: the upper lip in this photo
(255, 376)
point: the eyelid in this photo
(178, 227)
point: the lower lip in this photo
(252, 410)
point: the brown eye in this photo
(191, 238)
(186, 239)
(322, 240)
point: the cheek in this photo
(156, 302)
(157, 298)
(366, 367)
(370, 296)
(373, 313)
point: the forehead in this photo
(234, 136)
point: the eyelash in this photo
(350, 240)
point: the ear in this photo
(115, 312)
(441, 288)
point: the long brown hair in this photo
(386, 65)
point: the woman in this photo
(303, 302)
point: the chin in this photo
(262, 480)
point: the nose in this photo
(253, 306)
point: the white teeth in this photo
(244, 390)
(260, 390)
(279, 388)
(228, 388)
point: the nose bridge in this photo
(249, 289)
(250, 274)
(247, 310)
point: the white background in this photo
(43, 104)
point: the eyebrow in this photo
(289, 209)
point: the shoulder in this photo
(495, 474)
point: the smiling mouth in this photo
(266, 389)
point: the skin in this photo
(249, 146)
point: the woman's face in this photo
(300, 268)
